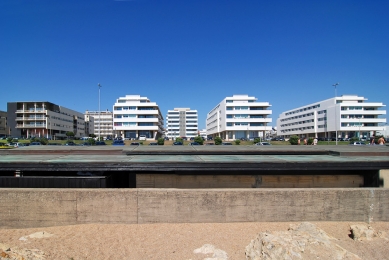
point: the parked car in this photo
(35, 143)
(209, 138)
(100, 143)
(263, 143)
(209, 143)
(192, 138)
(70, 143)
(153, 143)
(86, 144)
(135, 143)
(177, 143)
(142, 138)
(226, 143)
(193, 143)
(166, 138)
(357, 143)
(118, 142)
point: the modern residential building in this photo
(347, 116)
(103, 123)
(43, 119)
(181, 122)
(239, 116)
(4, 129)
(89, 124)
(135, 116)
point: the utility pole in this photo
(99, 110)
(336, 119)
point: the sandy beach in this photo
(167, 241)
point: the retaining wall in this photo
(21, 208)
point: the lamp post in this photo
(99, 110)
(336, 119)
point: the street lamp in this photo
(336, 119)
(99, 110)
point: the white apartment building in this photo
(103, 123)
(181, 122)
(239, 116)
(43, 119)
(347, 116)
(134, 115)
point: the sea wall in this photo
(22, 208)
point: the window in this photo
(229, 124)
(256, 108)
(256, 124)
(229, 101)
(145, 124)
(230, 108)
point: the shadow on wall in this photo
(384, 178)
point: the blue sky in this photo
(192, 53)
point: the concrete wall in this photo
(23, 208)
(247, 181)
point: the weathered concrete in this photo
(23, 208)
(247, 181)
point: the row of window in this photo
(295, 117)
(232, 101)
(302, 109)
(238, 116)
(133, 124)
(299, 123)
(244, 108)
(134, 108)
(297, 129)
(244, 124)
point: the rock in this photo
(364, 232)
(217, 254)
(303, 241)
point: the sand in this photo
(168, 241)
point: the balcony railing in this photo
(31, 126)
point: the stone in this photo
(303, 241)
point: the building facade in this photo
(239, 116)
(181, 122)
(346, 116)
(4, 129)
(102, 123)
(43, 119)
(134, 115)
(89, 125)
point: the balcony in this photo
(31, 126)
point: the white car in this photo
(142, 138)
(263, 143)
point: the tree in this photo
(310, 141)
(199, 139)
(91, 141)
(69, 134)
(293, 140)
(161, 141)
(218, 140)
(179, 139)
(42, 140)
(237, 142)
(257, 140)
